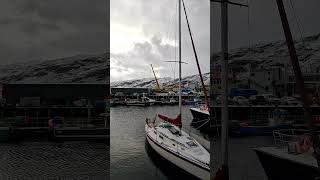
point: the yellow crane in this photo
(155, 77)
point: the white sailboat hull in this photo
(178, 160)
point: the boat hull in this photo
(257, 130)
(4, 134)
(277, 168)
(199, 115)
(138, 104)
(181, 162)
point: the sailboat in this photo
(166, 137)
(295, 155)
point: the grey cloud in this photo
(143, 54)
(46, 29)
(158, 20)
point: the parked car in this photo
(289, 100)
(243, 92)
(271, 99)
(257, 100)
(240, 100)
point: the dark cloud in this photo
(46, 29)
(264, 21)
(247, 26)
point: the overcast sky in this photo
(46, 29)
(139, 32)
(142, 31)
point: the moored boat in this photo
(138, 102)
(290, 158)
(169, 140)
(278, 119)
(4, 134)
(199, 113)
(175, 145)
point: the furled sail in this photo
(175, 121)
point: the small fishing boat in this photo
(144, 101)
(191, 101)
(171, 101)
(278, 119)
(291, 157)
(200, 113)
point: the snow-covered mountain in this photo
(263, 55)
(75, 69)
(276, 53)
(151, 82)
(93, 68)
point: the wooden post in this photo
(224, 93)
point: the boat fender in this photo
(220, 175)
(316, 119)
(27, 120)
(50, 123)
(204, 108)
(243, 124)
(305, 144)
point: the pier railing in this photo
(282, 138)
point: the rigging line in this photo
(175, 41)
(169, 28)
(249, 27)
(292, 22)
(214, 44)
(207, 120)
(296, 17)
(251, 54)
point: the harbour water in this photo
(131, 157)
(39, 159)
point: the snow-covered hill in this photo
(150, 82)
(276, 53)
(76, 69)
(263, 54)
(93, 68)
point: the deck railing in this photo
(285, 136)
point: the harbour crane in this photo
(155, 77)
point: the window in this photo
(192, 144)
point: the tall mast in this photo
(224, 81)
(299, 78)
(180, 100)
(196, 57)
(212, 143)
